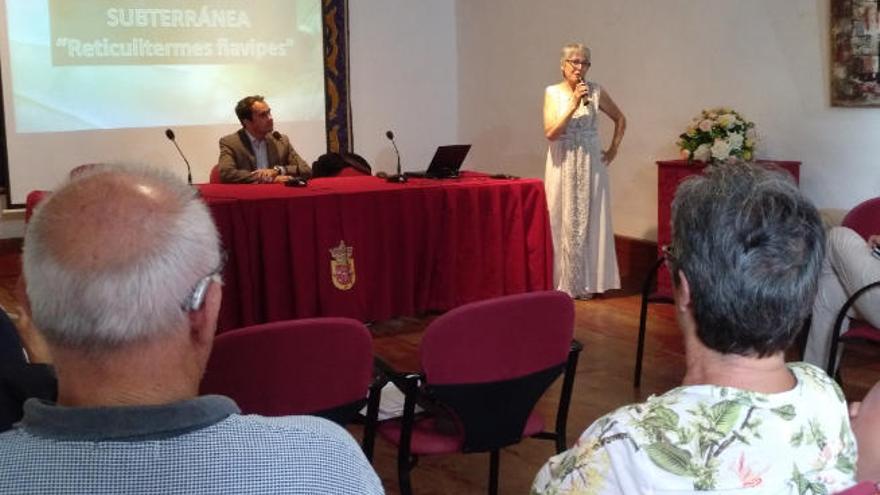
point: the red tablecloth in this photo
(424, 245)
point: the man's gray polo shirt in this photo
(198, 446)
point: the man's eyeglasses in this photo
(578, 63)
(196, 297)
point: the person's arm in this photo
(297, 166)
(554, 126)
(229, 173)
(607, 105)
(31, 340)
(588, 467)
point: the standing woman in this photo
(576, 180)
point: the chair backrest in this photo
(214, 177)
(352, 172)
(320, 366)
(864, 218)
(30, 203)
(863, 488)
(490, 362)
(335, 164)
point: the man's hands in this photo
(264, 175)
(269, 176)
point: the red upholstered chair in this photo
(214, 178)
(863, 488)
(352, 172)
(31, 202)
(317, 366)
(865, 220)
(484, 367)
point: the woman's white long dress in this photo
(579, 200)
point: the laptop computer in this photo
(446, 162)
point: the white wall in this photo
(403, 78)
(662, 62)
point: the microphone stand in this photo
(189, 176)
(399, 178)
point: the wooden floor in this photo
(607, 327)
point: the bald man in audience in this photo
(123, 279)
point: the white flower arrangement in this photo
(718, 135)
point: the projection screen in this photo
(101, 80)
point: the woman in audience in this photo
(745, 258)
(850, 264)
(576, 179)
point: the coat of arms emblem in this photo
(342, 266)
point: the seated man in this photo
(848, 266)
(257, 154)
(122, 269)
(745, 257)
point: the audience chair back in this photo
(484, 367)
(863, 488)
(865, 220)
(318, 366)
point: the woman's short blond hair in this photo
(571, 48)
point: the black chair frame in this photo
(647, 297)
(461, 398)
(836, 338)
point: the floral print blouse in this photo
(711, 439)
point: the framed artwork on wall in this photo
(855, 53)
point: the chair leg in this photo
(369, 440)
(403, 468)
(565, 394)
(406, 461)
(643, 320)
(494, 461)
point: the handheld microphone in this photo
(170, 135)
(399, 178)
(276, 135)
(586, 98)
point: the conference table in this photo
(368, 249)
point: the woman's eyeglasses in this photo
(669, 253)
(578, 63)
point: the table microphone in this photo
(399, 178)
(189, 176)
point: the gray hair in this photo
(113, 302)
(570, 48)
(751, 247)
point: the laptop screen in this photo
(447, 160)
